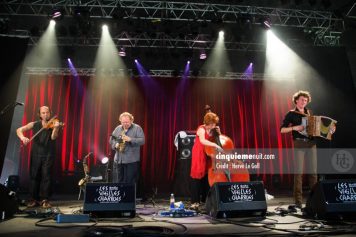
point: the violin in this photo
(51, 122)
(227, 144)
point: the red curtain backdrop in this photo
(250, 113)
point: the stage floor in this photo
(278, 221)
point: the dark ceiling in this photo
(174, 23)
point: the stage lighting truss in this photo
(320, 37)
(327, 38)
(160, 40)
(325, 21)
(59, 71)
(177, 11)
(155, 73)
(351, 14)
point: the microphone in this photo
(10, 106)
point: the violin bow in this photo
(39, 131)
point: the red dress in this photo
(199, 160)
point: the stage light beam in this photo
(45, 53)
(280, 59)
(218, 61)
(107, 58)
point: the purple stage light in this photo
(202, 56)
(122, 52)
(141, 70)
(248, 74)
(186, 70)
(72, 68)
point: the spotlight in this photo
(52, 22)
(136, 61)
(251, 64)
(202, 55)
(104, 160)
(105, 27)
(122, 52)
(266, 23)
(69, 60)
(188, 62)
(56, 15)
(221, 33)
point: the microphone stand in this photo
(8, 107)
(82, 183)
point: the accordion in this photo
(318, 126)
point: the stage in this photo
(164, 65)
(280, 220)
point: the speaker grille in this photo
(110, 199)
(235, 199)
(185, 146)
(332, 199)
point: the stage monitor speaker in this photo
(332, 199)
(185, 145)
(8, 204)
(236, 199)
(110, 200)
(182, 179)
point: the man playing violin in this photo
(42, 155)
